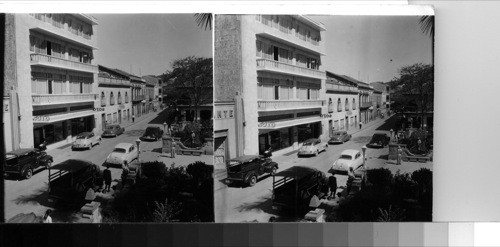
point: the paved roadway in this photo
(238, 204)
(25, 196)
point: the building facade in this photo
(115, 96)
(154, 93)
(343, 103)
(51, 79)
(281, 82)
(384, 100)
(138, 88)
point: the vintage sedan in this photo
(312, 147)
(24, 161)
(86, 140)
(379, 140)
(152, 134)
(339, 137)
(348, 158)
(123, 154)
(113, 130)
(249, 168)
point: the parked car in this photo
(86, 140)
(348, 158)
(122, 154)
(294, 188)
(152, 134)
(339, 137)
(70, 180)
(379, 140)
(113, 130)
(249, 168)
(24, 161)
(312, 147)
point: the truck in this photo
(294, 188)
(71, 180)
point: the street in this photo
(238, 204)
(26, 196)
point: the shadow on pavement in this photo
(18, 177)
(39, 196)
(160, 117)
(263, 204)
(389, 124)
(384, 157)
(134, 132)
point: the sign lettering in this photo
(267, 124)
(98, 109)
(41, 118)
(326, 115)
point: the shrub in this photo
(379, 177)
(404, 186)
(153, 170)
(391, 214)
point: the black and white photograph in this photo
(108, 118)
(323, 118)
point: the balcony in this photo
(280, 105)
(113, 82)
(364, 105)
(279, 67)
(60, 63)
(138, 98)
(340, 88)
(53, 99)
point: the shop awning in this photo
(273, 125)
(44, 119)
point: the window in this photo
(339, 105)
(126, 97)
(346, 104)
(119, 98)
(353, 104)
(111, 99)
(259, 48)
(330, 105)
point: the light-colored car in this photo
(348, 158)
(123, 154)
(86, 140)
(339, 137)
(312, 146)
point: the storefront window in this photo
(275, 140)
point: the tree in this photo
(204, 19)
(427, 26)
(414, 87)
(190, 82)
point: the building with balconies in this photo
(153, 87)
(51, 78)
(343, 102)
(114, 96)
(272, 64)
(384, 99)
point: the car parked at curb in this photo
(339, 137)
(379, 140)
(86, 140)
(249, 168)
(113, 131)
(123, 154)
(348, 158)
(152, 134)
(312, 146)
(24, 161)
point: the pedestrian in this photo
(350, 179)
(46, 217)
(360, 124)
(107, 179)
(419, 144)
(400, 154)
(133, 118)
(332, 183)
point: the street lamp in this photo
(392, 132)
(138, 142)
(364, 152)
(164, 127)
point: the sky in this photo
(147, 44)
(373, 48)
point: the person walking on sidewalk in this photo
(133, 118)
(107, 179)
(332, 183)
(360, 124)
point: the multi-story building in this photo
(273, 64)
(343, 100)
(149, 92)
(138, 88)
(384, 100)
(115, 96)
(376, 103)
(50, 79)
(365, 102)
(154, 90)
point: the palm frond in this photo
(427, 24)
(204, 19)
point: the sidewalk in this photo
(356, 129)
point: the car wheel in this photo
(273, 171)
(252, 181)
(28, 173)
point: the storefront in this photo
(60, 131)
(284, 138)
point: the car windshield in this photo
(119, 150)
(10, 159)
(307, 144)
(233, 163)
(345, 157)
(150, 131)
(81, 137)
(110, 127)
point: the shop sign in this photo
(6, 107)
(326, 115)
(267, 125)
(98, 109)
(221, 114)
(41, 118)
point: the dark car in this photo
(294, 188)
(24, 161)
(339, 137)
(152, 134)
(70, 180)
(113, 130)
(249, 168)
(379, 140)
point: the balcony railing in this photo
(138, 98)
(343, 88)
(113, 81)
(47, 60)
(365, 104)
(276, 105)
(265, 64)
(47, 99)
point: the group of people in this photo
(330, 186)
